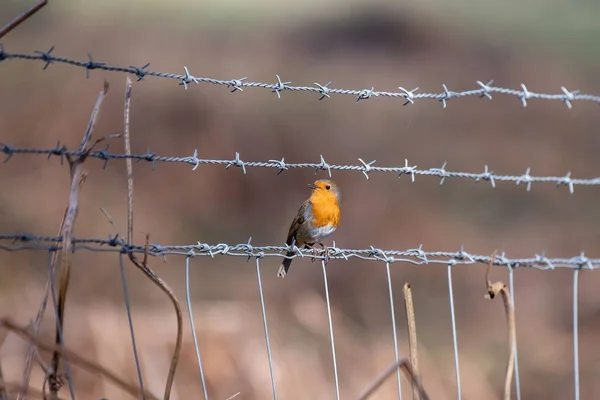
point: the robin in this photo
(317, 218)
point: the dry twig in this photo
(76, 359)
(31, 353)
(128, 162)
(143, 266)
(3, 388)
(405, 366)
(21, 18)
(412, 335)
(77, 173)
(165, 288)
(31, 391)
(38, 320)
(109, 219)
(492, 290)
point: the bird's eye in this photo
(327, 187)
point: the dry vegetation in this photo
(175, 205)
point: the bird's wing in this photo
(297, 223)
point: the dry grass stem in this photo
(31, 391)
(412, 335)
(3, 388)
(77, 174)
(108, 217)
(31, 353)
(492, 290)
(22, 18)
(76, 359)
(405, 367)
(128, 162)
(39, 318)
(143, 266)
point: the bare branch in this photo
(22, 18)
(32, 392)
(40, 316)
(108, 217)
(167, 290)
(77, 359)
(129, 163)
(143, 266)
(77, 174)
(3, 388)
(405, 366)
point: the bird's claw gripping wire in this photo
(325, 251)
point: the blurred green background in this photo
(357, 45)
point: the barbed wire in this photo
(416, 256)
(325, 91)
(364, 167)
(116, 244)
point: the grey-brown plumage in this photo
(316, 219)
(297, 235)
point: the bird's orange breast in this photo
(325, 209)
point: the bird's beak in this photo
(312, 186)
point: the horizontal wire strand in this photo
(415, 256)
(483, 90)
(280, 165)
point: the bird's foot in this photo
(325, 252)
(315, 253)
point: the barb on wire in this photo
(281, 165)
(27, 241)
(324, 91)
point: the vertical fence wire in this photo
(576, 332)
(511, 284)
(193, 327)
(264, 317)
(393, 314)
(58, 328)
(454, 338)
(335, 370)
(131, 330)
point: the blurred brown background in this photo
(357, 45)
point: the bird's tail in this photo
(285, 265)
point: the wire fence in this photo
(280, 165)
(409, 96)
(18, 242)
(418, 256)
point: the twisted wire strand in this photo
(281, 165)
(482, 90)
(416, 256)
